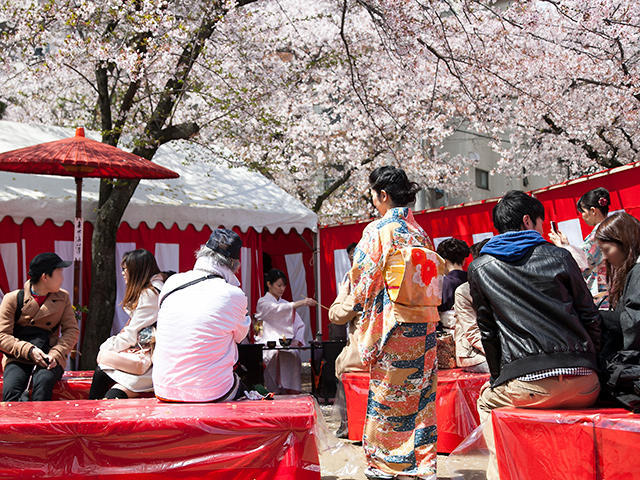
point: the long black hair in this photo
(141, 265)
(624, 230)
(395, 182)
(596, 198)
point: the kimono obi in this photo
(413, 278)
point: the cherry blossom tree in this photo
(309, 93)
(554, 83)
(316, 94)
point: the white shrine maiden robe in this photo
(283, 369)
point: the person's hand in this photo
(39, 357)
(53, 363)
(558, 239)
(305, 302)
(309, 302)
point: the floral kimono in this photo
(594, 269)
(397, 281)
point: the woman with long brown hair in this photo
(619, 239)
(143, 284)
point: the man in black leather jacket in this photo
(540, 328)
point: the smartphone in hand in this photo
(554, 226)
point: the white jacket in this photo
(144, 315)
(197, 332)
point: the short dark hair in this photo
(508, 213)
(395, 182)
(272, 276)
(476, 247)
(351, 247)
(454, 250)
(596, 198)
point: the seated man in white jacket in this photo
(202, 316)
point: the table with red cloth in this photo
(149, 439)
(456, 397)
(571, 444)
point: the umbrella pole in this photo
(77, 264)
(77, 243)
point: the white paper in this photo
(77, 239)
(478, 237)
(9, 254)
(341, 265)
(64, 249)
(572, 230)
(438, 240)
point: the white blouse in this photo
(279, 319)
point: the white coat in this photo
(144, 315)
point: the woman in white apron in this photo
(279, 319)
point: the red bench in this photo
(148, 439)
(572, 444)
(74, 385)
(456, 399)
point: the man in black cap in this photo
(38, 329)
(202, 316)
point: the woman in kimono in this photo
(397, 280)
(593, 207)
(283, 368)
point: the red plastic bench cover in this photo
(456, 397)
(74, 385)
(148, 439)
(572, 444)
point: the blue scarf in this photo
(512, 246)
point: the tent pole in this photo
(316, 274)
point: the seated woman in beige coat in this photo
(143, 281)
(469, 349)
(38, 329)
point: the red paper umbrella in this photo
(80, 157)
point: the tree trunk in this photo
(114, 199)
(102, 296)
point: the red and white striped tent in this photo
(171, 218)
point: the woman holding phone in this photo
(593, 206)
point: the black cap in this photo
(45, 262)
(225, 242)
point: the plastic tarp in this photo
(208, 192)
(572, 444)
(456, 411)
(148, 439)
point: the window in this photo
(482, 179)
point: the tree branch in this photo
(182, 131)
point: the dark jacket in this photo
(621, 327)
(534, 313)
(450, 282)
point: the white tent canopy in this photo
(208, 192)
